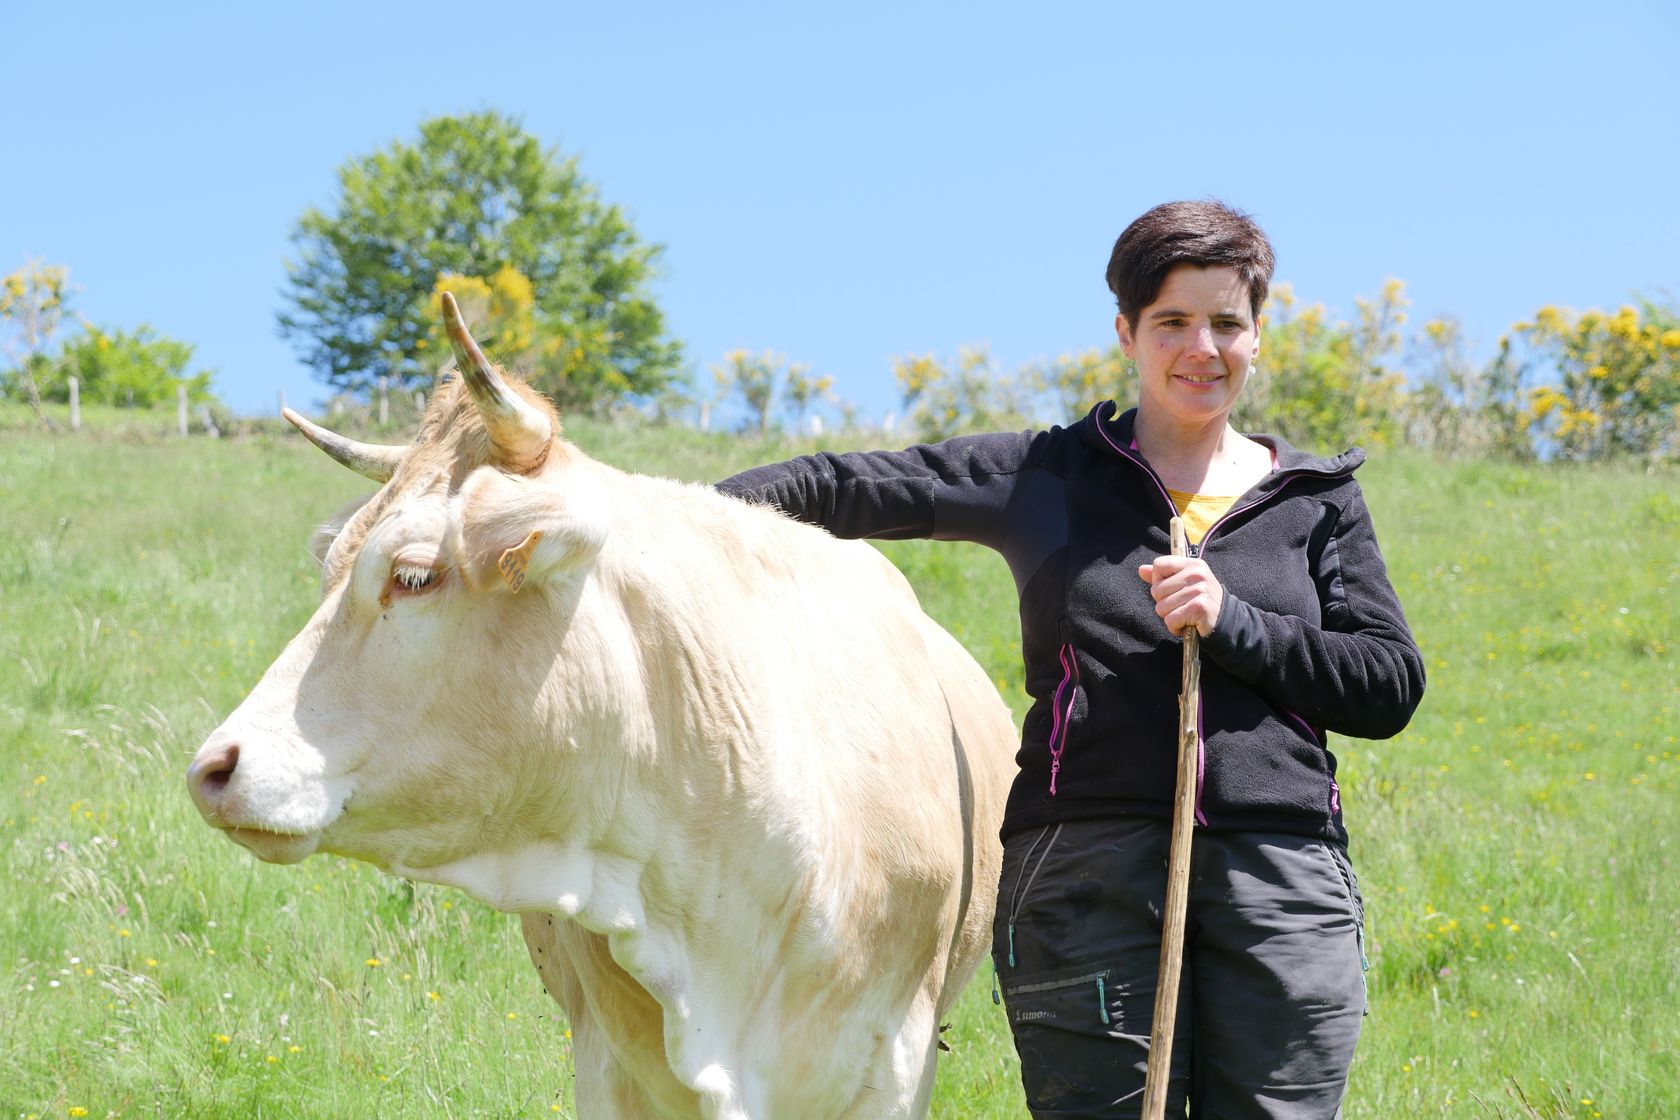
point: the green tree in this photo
(801, 391)
(753, 378)
(916, 375)
(1376, 379)
(1442, 402)
(33, 302)
(138, 368)
(968, 395)
(1455, 408)
(475, 196)
(1075, 382)
(1326, 385)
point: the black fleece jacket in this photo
(1310, 636)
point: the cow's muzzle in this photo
(213, 779)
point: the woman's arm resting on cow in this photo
(956, 490)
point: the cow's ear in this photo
(518, 530)
(321, 540)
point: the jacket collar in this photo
(1110, 430)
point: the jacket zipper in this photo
(1061, 713)
(1197, 550)
(1283, 483)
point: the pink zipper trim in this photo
(1304, 726)
(1318, 737)
(1147, 472)
(1060, 717)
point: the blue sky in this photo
(846, 183)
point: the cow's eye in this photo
(413, 579)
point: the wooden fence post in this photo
(181, 410)
(75, 403)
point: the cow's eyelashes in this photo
(414, 579)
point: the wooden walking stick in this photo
(1178, 869)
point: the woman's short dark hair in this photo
(1206, 234)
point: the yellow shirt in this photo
(1200, 511)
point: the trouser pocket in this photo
(1356, 909)
(1020, 873)
(1082, 1036)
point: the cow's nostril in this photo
(211, 773)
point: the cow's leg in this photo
(899, 1083)
(924, 1089)
(610, 1015)
(916, 1055)
(605, 1090)
(602, 1089)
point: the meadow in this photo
(1518, 845)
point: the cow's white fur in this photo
(706, 753)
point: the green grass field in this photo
(1519, 846)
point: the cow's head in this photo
(403, 725)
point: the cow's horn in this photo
(372, 460)
(519, 430)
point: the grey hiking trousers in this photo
(1272, 991)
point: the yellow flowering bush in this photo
(1325, 384)
(1617, 388)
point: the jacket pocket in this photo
(1062, 703)
(1031, 863)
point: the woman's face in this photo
(1193, 345)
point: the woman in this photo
(1301, 634)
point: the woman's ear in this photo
(1123, 331)
(519, 530)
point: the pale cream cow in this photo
(742, 791)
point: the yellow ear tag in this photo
(515, 560)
